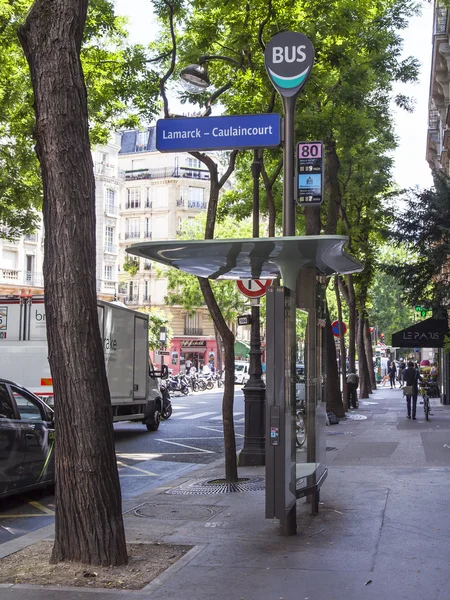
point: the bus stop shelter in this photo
(300, 262)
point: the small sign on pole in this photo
(310, 173)
(244, 320)
(336, 328)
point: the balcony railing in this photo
(440, 24)
(111, 248)
(111, 209)
(147, 266)
(32, 278)
(133, 299)
(196, 204)
(164, 172)
(108, 171)
(433, 119)
(133, 205)
(193, 331)
(147, 298)
(31, 237)
(9, 275)
(148, 235)
(132, 235)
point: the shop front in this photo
(198, 351)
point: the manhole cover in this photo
(176, 512)
(218, 486)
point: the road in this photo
(191, 437)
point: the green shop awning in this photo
(241, 349)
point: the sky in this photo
(411, 168)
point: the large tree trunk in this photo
(333, 391)
(364, 383)
(348, 292)
(369, 354)
(343, 361)
(231, 472)
(89, 525)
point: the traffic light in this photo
(382, 338)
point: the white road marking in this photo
(148, 473)
(186, 446)
(199, 415)
(181, 414)
(219, 430)
(236, 414)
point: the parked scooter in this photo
(167, 403)
(178, 384)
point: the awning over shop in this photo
(253, 258)
(424, 334)
(241, 349)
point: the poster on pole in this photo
(310, 165)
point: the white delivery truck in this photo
(133, 382)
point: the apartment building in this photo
(160, 192)
(21, 259)
(438, 138)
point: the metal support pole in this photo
(253, 451)
(289, 166)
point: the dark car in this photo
(27, 439)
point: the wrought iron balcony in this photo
(133, 299)
(193, 331)
(132, 235)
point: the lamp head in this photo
(195, 78)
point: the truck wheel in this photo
(167, 412)
(153, 426)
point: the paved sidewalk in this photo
(383, 531)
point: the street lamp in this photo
(196, 80)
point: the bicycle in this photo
(426, 401)
(300, 424)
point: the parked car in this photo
(241, 374)
(27, 439)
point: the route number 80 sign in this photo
(310, 167)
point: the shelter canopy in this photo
(253, 258)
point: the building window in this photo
(148, 228)
(109, 272)
(132, 228)
(111, 201)
(134, 197)
(146, 291)
(142, 141)
(196, 197)
(109, 239)
(192, 325)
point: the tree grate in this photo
(218, 486)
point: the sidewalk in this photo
(383, 531)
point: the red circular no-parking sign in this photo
(335, 328)
(253, 288)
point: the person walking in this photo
(392, 373)
(188, 366)
(411, 378)
(401, 370)
(352, 386)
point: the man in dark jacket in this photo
(411, 377)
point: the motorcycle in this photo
(178, 384)
(167, 403)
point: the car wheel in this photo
(154, 425)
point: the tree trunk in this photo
(349, 295)
(369, 354)
(343, 361)
(364, 384)
(219, 357)
(312, 220)
(333, 187)
(333, 391)
(231, 473)
(88, 522)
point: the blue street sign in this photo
(218, 133)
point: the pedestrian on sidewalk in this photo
(352, 387)
(401, 370)
(411, 377)
(392, 373)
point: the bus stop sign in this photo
(310, 173)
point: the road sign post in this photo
(289, 58)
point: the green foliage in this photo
(121, 91)
(184, 289)
(422, 230)
(157, 319)
(131, 265)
